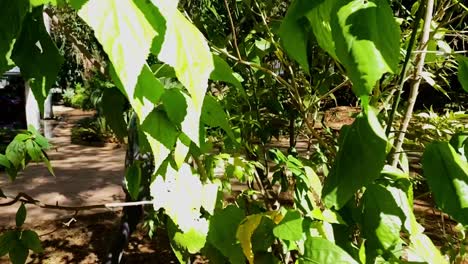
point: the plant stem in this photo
(419, 61)
(405, 69)
(25, 198)
(233, 28)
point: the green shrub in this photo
(91, 130)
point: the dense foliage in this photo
(211, 82)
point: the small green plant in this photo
(67, 96)
(91, 130)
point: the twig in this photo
(25, 198)
(416, 81)
(309, 124)
(404, 69)
(233, 28)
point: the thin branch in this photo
(25, 198)
(233, 28)
(416, 81)
(81, 48)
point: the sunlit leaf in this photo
(244, 234)
(366, 37)
(423, 250)
(290, 228)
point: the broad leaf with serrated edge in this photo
(290, 228)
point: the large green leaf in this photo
(18, 252)
(290, 227)
(319, 250)
(382, 218)
(223, 72)
(463, 72)
(186, 50)
(12, 14)
(213, 115)
(126, 30)
(422, 250)
(31, 240)
(113, 107)
(320, 19)
(222, 233)
(37, 56)
(6, 241)
(182, 195)
(366, 37)
(359, 161)
(294, 34)
(133, 180)
(161, 135)
(447, 177)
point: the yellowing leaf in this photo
(245, 232)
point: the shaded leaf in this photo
(222, 233)
(463, 72)
(113, 108)
(18, 252)
(6, 241)
(382, 218)
(359, 161)
(447, 177)
(31, 240)
(213, 115)
(294, 35)
(320, 250)
(12, 14)
(133, 180)
(37, 56)
(161, 135)
(223, 72)
(20, 215)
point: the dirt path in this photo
(84, 175)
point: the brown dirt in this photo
(84, 175)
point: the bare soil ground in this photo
(84, 175)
